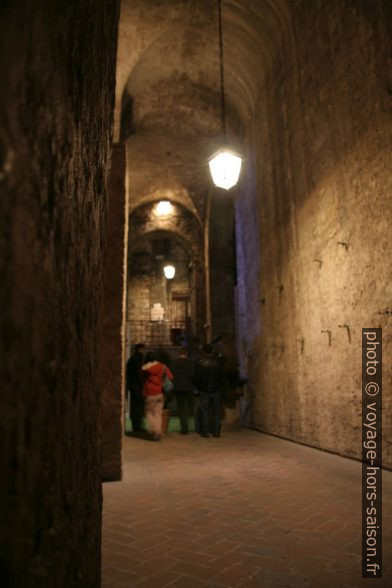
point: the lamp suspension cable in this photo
(225, 164)
(222, 71)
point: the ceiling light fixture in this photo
(163, 208)
(169, 271)
(225, 165)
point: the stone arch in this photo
(152, 194)
(140, 247)
(182, 221)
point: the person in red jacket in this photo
(153, 373)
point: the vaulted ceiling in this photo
(168, 92)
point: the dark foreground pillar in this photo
(57, 66)
(113, 320)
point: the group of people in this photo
(197, 386)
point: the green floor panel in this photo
(174, 425)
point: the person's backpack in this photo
(167, 383)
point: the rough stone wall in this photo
(111, 348)
(138, 303)
(57, 70)
(247, 292)
(222, 263)
(321, 139)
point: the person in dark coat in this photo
(209, 382)
(134, 382)
(183, 370)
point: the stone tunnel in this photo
(110, 109)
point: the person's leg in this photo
(140, 410)
(216, 413)
(149, 415)
(135, 410)
(197, 415)
(204, 405)
(181, 406)
(189, 406)
(156, 415)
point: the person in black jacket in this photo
(134, 382)
(183, 370)
(209, 382)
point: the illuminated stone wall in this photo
(313, 226)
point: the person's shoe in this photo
(216, 434)
(156, 437)
(204, 435)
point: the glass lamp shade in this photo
(225, 167)
(169, 271)
(163, 208)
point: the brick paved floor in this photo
(245, 510)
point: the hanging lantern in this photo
(225, 167)
(169, 271)
(164, 208)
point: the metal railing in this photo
(159, 333)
